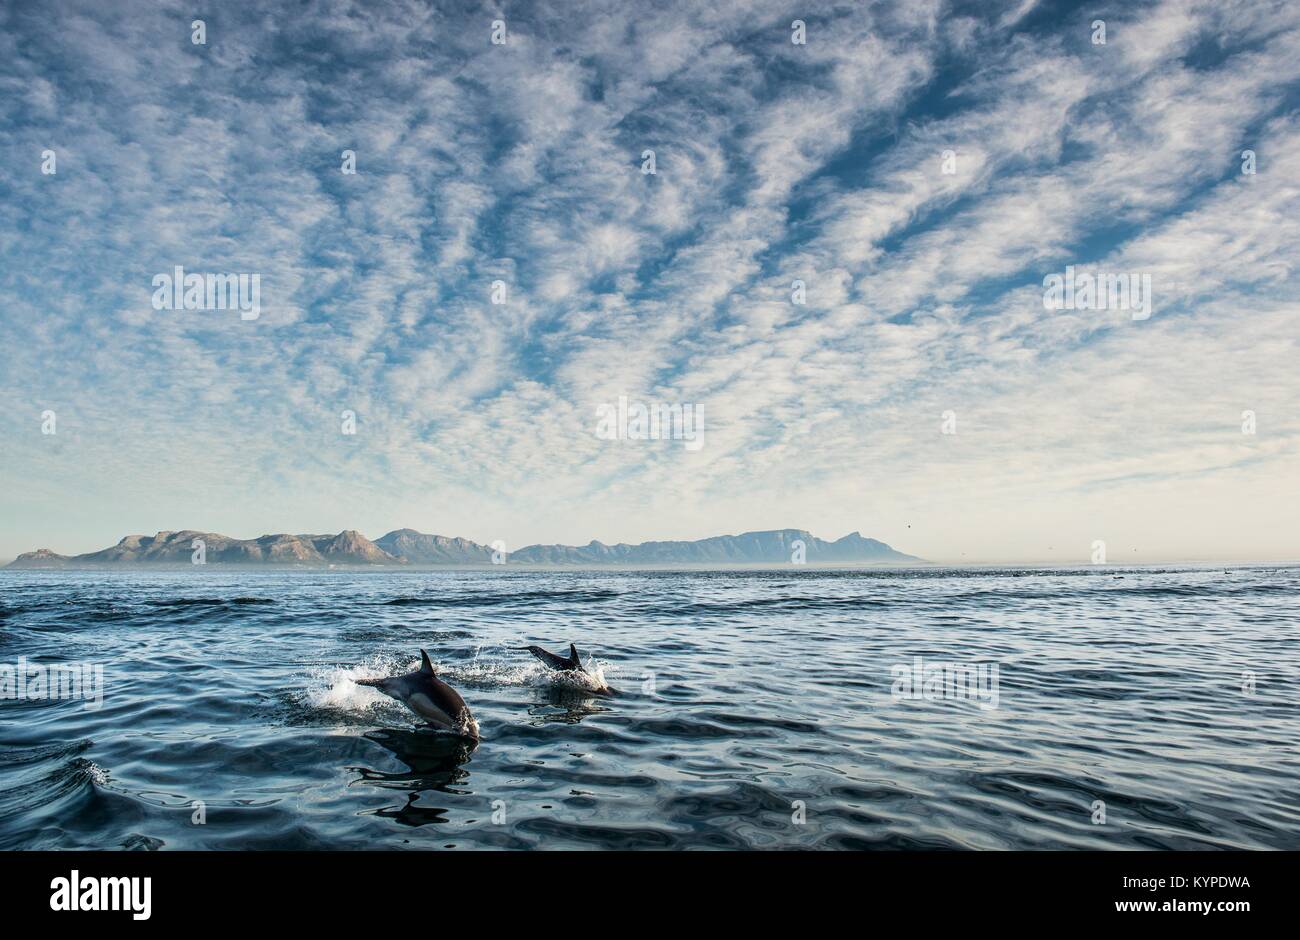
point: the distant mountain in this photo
(416, 548)
(409, 547)
(353, 548)
(346, 548)
(773, 547)
(41, 558)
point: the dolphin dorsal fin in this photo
(574, 657)
(425, 665)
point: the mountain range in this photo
(407, 547)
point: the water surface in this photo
(756, 710)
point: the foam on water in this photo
(503, 667)
(590, 678)
(498, 669)
(335, 687)
(96, 774)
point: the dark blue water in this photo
(757, 710)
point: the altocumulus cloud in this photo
(920, 168)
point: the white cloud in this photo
(774, 161)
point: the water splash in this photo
(335, 687)
(590, 678)
(95, 774)
(500, 667)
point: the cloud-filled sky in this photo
(775, 161)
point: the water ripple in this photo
(1135, 708)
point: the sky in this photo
(922, 168)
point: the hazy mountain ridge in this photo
(407, 547)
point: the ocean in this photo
(927, 708)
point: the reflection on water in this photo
(559, 703)
(758, 709)
(434, 762)
(433, 759)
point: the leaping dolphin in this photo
(429, 697)
(571, 663)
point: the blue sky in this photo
(522, 162)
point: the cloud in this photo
(522, 162)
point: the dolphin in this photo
(429, 697)
(554, 660)
(570, 663)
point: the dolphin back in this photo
(445, 697)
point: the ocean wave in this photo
(211, 601)
(517, 598)
(745, 698)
